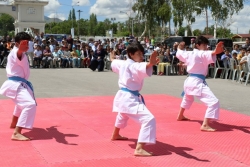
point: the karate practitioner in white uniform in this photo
(18, 88)
(128, 102)
(197, 62)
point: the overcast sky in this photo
(111, 9)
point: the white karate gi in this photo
(197, 63)
(131, 76)
(19, 92)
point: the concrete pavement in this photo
(74, 82)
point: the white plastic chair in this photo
(246, 69)
(234, 73)
(171, 69)
(211, 70)
(227, 69)
(218, 67)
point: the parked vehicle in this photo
(228, 43)
(58, 37)
(171, 40)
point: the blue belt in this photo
(15, 78)
(134, 92)
(197, 76)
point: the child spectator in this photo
(37, 56)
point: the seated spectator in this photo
(76, 59)
(37, 56)
(165, 61)
(86, 56)
(64, 45)
(97, 61)
(226, 58)
(236, 62)
(47, 57)
(67, 58)
(244, 60)
(118, 54)
(124, 54)
(181, 68)
(56, 58)
(160, 65)
(236, 49)
(241, 54)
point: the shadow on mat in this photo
(49, 133)
(220, 127)
(166, 149)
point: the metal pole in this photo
(72, 17)
(132, 27)
(79, 11)
(206, 22)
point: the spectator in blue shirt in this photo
(225, 58)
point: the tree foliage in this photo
(73, 14)
(181, 10)
(151, 18)
(92, 25)
(6, 24)
(70, 15)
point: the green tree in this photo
(197, 32)
(92, 24)
(181, 10)
(208, 30)
(100, 29)
(164, 13)
(84, 26)
(73, 14)
(181, 31)
(220, 10)
(70, 15)
(6, 24)
(147, 11)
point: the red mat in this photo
(71, 132)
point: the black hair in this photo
(201, 40)
(243, 48)
(22, 36)
(134, 47)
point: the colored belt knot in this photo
(134, 92)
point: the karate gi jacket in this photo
(15, 67)
(131, 76)
(197, 62)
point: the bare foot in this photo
(182, 118)
(119, 137)
(207, 128)
(19, 137)
(142, 153)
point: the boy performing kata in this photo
(128, 102)
(197, 62)
(18, 88)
